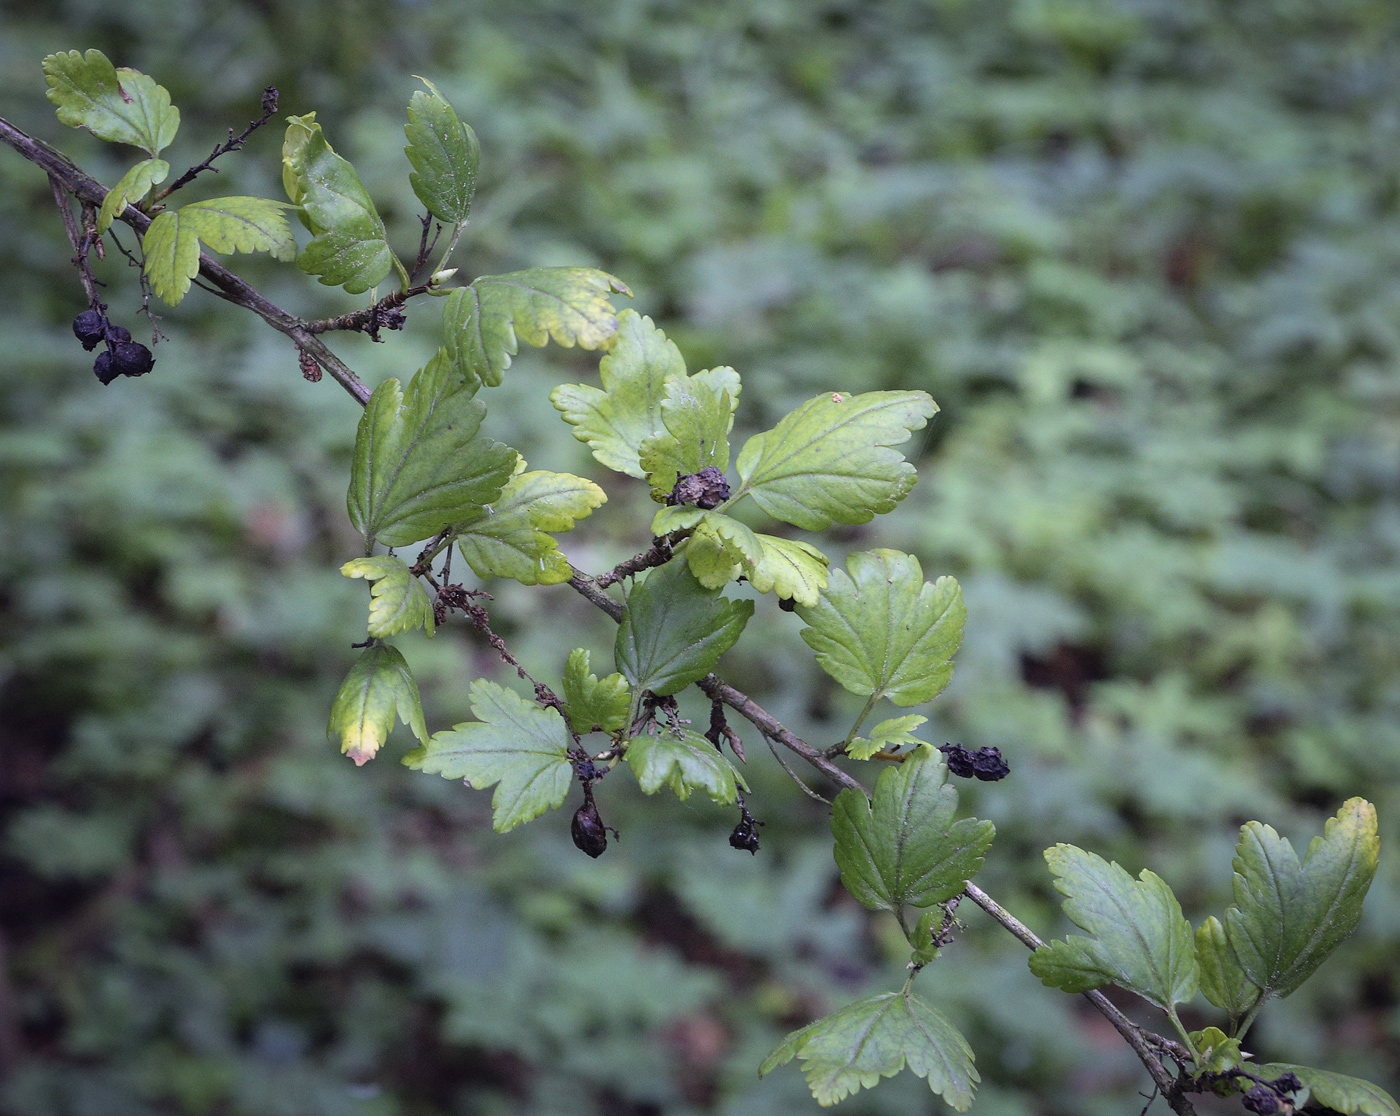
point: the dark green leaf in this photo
(121, 106)
(507, 537)
(444, 153)
(1140, 941)
(398, 601)
(618, 419)
(515, 743)
(1288, 916)
(421, 463)
(1336, 1091)
(349, 248)
(132, 187)
(593, 701)
(378, 688)
(853, 1048)
(883, 630)
(483, 323)
(830, 460)
(683, 761)
(674, 630)
(904, 846)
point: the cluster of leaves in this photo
(1182, 569)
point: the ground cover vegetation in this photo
(1141, 258)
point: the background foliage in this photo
(1142, 252)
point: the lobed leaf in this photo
(1223, 982)
(483, 323)
(882, 630)
(121, 106)
(1336, 1091)
(831, 461)
(903, 845)
(673, 630)
(398, 601)
(239, 224)
(131, 187)
(618, 419)
(506, 538)
(515, 744)
(444, 153)
(1288, 916)
(379, 687)
(852, 1049)
(1140, 940)
(697, 414)
(592, 701)
(421, 462)
(349, 247)
(886, 736)
(685, 762)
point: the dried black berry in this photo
(1262, 1100)
(959, 759)
(90, 327)
(745, 835)
(787, 604)
(705, 489)
(103, 367)
(132, 359)
(589, 832)
(988, 765)
(117, 334)
(1288, 1083)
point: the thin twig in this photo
(234, 143)
(661, 552)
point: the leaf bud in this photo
(442, 276)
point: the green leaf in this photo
(121, 106)
(507, 537)
(697, 413)
(483, 323)
(604, 703)
(925, 949)
(673, 630)
(830, 460)
(1223, 982)
(904, 846)
(1336, 1091)
(882, 630)
(515, 744)
(378, 687)
(616, 420)
(241, 224)
(853, 1048)
(683, 761)
(1218, 1052)
(1141, 940)
(444, 153)
(398, 601)
(1288, 917)
(132, 187)
(350, 248)
(886, 736)
(721, 549)
(421, 462)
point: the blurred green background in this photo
(1144, 253)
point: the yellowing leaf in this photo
(507, 538)
(132, 187)
(398, 601)
(171, 244)
(122, 106)
(683, 761)
(378, 688)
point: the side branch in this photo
(228, 286)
